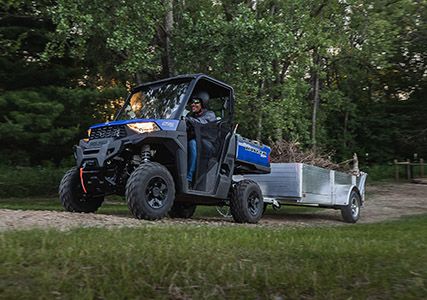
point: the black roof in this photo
(183, 77)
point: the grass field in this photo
(378, 261)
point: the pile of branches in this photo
(291, 152)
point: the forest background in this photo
(345, 76)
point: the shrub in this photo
(29, 181)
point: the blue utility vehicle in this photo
(142, 154)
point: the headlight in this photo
(87, 138)
(144, 127)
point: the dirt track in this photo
(383, 202)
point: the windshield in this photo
(157, 101)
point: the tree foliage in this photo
(347, 76)
(45, 106)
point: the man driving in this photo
(199, 114)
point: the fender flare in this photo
(351, 189)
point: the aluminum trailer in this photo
(306, 185)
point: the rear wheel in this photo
(72, 197)
(150, 191)
(182, 210)
(351, 212)
(246, 204)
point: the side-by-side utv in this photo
(142, 155)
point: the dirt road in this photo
(383, 202)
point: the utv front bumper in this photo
(94, 160)
(97, 152)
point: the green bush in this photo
(387, 172)
(29, 181)
(379, 172)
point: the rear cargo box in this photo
(252, 157)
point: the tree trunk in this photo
(346, 115)
(279, 134)
(258, 105)
(138, 78)
(316, 100)
(259, 129)
(167, 61)
(315, 109)
(285, 67)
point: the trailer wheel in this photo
(150, 191)
(182, 210)
(246, 203)
(351, 212)
(72, 197)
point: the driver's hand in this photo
(189, 122)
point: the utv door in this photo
(213, 138)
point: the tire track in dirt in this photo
(383, 202)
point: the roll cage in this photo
(197, 82)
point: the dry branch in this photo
(290, 152)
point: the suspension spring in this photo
(146, 153)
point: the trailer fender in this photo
(353, 188)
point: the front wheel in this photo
(72, 197)
(351, 212)
(246, 203)
(150, 191)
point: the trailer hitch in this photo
(274, 203)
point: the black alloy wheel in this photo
(254, 203)
(246, 203)
(150, 191)
(156, 192)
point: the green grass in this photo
(378, 261)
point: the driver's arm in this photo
(208, 117)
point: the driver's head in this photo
(196, 105)
(199, 101)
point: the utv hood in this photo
(164, 124)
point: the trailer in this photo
(307, 185)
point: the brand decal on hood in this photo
(164, 124)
